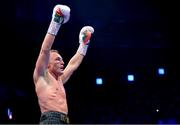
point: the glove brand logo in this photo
(58, 17)
(86, 37)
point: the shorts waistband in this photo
(56, 115)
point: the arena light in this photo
(9, 113)
(99, 81)
(161, 71)
(130, 77)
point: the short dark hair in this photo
(54, 50)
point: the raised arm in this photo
(75, 61)
(61, 15)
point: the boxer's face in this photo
(56, 63)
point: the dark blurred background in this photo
(131, 37)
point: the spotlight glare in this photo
(99, 81)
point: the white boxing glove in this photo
(84, 39)
(61, 15)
